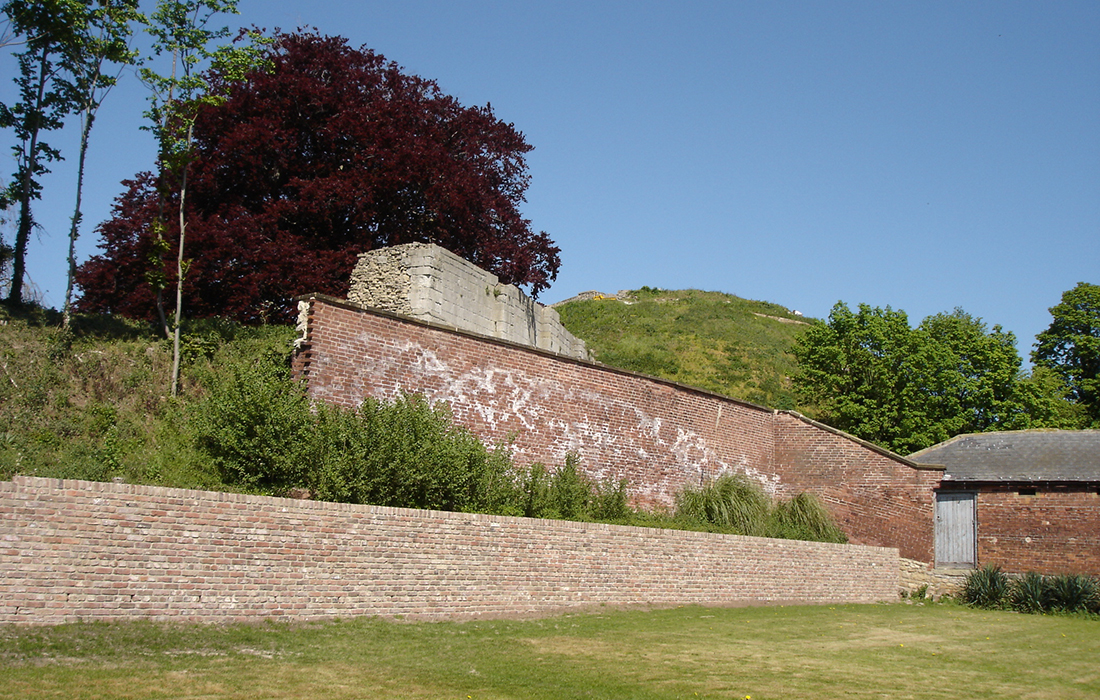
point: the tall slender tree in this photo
(50, 31)
(104, 41)
(181, 30)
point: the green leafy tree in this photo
(871, 374)
(50, 31)
(969, 377)
(181, 30)
(102, 41)
(1071, 346)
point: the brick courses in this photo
(658, 435)
(77, 550)
(1057, 530)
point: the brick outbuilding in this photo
(1024, 500)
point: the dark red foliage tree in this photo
(331, 153)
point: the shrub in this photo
(1072, 593)
(406, 453)
(611, 501)
(731, 501)
(804, 518)
(1030, 593)
(986, 587)
(253, 424)
(568, 494)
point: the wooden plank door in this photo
(956, 529)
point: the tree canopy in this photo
(870, 374)
(1071, 346)
(332, 152)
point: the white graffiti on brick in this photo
(514, 401)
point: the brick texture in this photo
(658, 435)
(75, 550)
(1054, 531)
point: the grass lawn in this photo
(853, 651)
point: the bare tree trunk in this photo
(86, 128)
(179, 275)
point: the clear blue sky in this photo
(925, 155)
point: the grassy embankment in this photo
(714, 341)
(884, 651)
(95, 404)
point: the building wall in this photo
(430, 283)
(874, 497)
(77, 550)
(1054, 531)
(657, 435)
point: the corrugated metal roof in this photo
(1029, 455)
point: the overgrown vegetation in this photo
(993, 589)
(91, 403)
(734, 504)
(714, 341)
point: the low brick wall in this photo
(77, 550)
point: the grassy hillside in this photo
(95, 403)
(710, 340)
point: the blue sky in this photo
(925, 155)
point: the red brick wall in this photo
(82, 550)
(1054, 531)
(657, 435)
(874, 497)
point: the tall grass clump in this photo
(730, 502)
(986, 587)
(804, 518)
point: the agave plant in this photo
(986, 587)
(1073, 593)
(1031, 593)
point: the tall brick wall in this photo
(875, 497)
(1054, 531)
(76, 550)
(657, 435)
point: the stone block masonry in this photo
(77, 550)
(430, 283)
(657, 435)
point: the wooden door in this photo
(956, 529)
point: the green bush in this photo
(568, 494)
(1030, 593)
(986, 587)
(1072, 593)
(406, 453)
(804, 518)
(253, 425)
(731, 501)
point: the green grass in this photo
(714, 341)
(893, 651)
(94, 403)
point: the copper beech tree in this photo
(332, 152)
